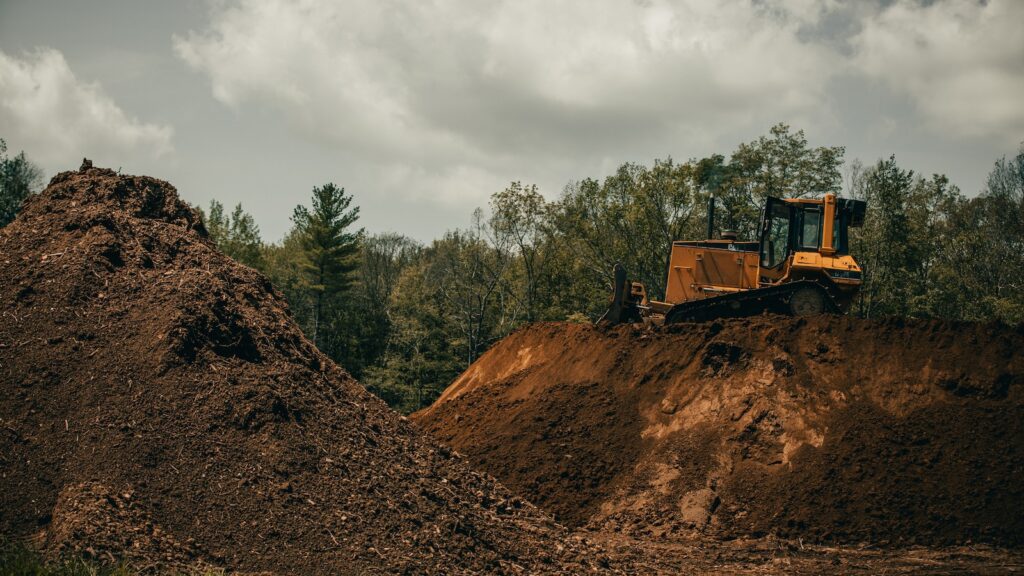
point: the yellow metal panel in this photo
(807, 260)
(699, 272)
(828, 225)
(815, 261)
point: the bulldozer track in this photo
(747, 303)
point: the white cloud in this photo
(57, 119)
(961, 63)
(427, 89)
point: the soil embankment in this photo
(827, 429)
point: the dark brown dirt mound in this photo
(829, 429)
(92, 521)
(155, 394)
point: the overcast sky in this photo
(422, 109)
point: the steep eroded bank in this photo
(827, 429)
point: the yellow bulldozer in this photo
(799, 265)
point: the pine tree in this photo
(330, 248)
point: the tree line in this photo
(406, 317)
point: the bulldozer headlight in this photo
(846, 274)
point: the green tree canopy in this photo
(780, 165)
(883, 246)
(236, 235)
(19, 179)
(997, 245)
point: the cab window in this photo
(840, 234)
(810, 228)
(775, 237)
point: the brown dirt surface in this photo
(93, 522)
(770, 555)
(156, 397)
(823, 430)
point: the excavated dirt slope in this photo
(828, 429)
(157, 403)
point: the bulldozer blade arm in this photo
(620, 309)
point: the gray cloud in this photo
(961, 63)
(465, 93)
(447, 99)
(45, 109)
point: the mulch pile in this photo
(829, 429)
(158, 404)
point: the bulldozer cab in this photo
(809, 235)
